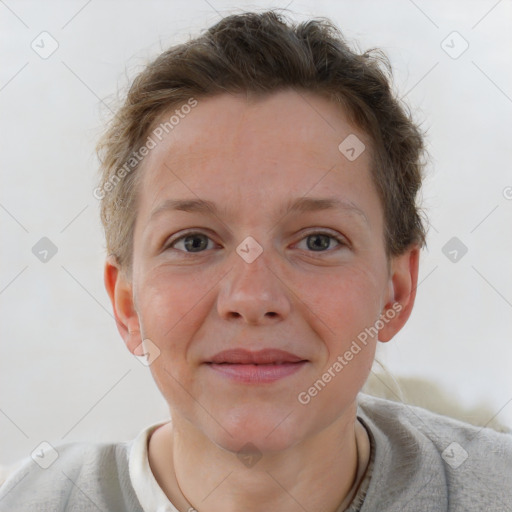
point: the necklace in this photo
(363, 448)
(363, 459)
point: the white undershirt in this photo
(151, 496)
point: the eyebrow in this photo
(300, 205)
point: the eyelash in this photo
(341, 241)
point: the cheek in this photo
(343, 303)
(169, 304)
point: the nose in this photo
(254, 293)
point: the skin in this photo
(250, 157)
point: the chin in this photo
(268, 431)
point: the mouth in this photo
(258, 367)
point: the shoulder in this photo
(439, 460)
(86, 475)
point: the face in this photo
(251, 300)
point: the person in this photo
(259, 198)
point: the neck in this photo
(319, 473)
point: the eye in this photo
(192, 242)
(321, 241)
(195, 242)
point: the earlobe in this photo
(120, 291)
(403, 283)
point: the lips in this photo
(260, 367)
(261, 357)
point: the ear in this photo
(403, 282)
(120, 291)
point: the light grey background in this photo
(65, 372)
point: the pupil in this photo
(323, 245)
(194, 245)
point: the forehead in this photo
(231, 147)
(286, 117)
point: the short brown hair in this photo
(262, 53)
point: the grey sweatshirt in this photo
(419, 462)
